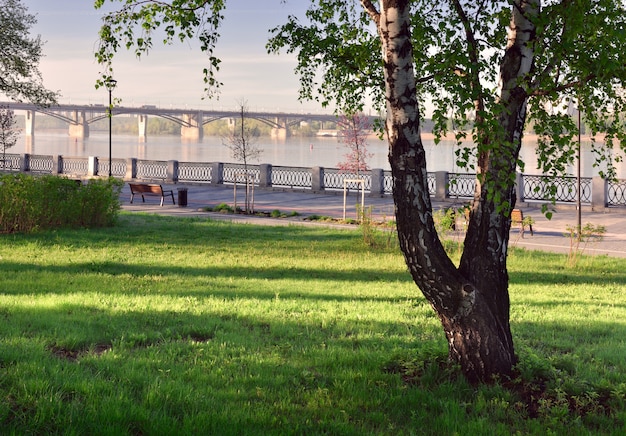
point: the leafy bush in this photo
(30, 203)
(223, 207)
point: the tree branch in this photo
(563, 87)
(372, 11)
(472, 49)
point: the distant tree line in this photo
(161, 126)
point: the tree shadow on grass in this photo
(117, 278)
(193, 231)
(244, 370)
(260, 373)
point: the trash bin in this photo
(182, 197)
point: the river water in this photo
(294, 151)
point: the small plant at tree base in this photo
(366, 225)
(528, 221)
(445, 221)
(374, 237)
(242, 144)
(223, 207)
(315, 217)
(580, 240)
(8, 132)
(446, 226)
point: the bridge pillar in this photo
(192, 126)
(142, 124)
(282, 131)
(30, 123)
(79, 128)
(29, 144)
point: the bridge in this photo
(191, 121)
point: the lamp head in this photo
(110, 84)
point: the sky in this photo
(171, 76)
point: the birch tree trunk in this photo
(472, 301)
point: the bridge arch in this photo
(79, 117)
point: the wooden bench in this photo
(146, 189)
(517, 219)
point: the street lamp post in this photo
(110, 85)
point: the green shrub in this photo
(30, 203)
(224, 208)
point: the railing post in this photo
(25, 163)
(265, 176)
(131, 168)
(317, 179)
(92, 166)
(172, 171)
(377, 188)
(519, 187)
(217, 173)
(599, 193)
(57, 164)
(442, 179)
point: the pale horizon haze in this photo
(171, 76)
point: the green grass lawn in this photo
(187, 326)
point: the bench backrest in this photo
(517, 217)
(154, 189)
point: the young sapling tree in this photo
(242, 142)
(353, 130)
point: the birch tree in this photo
(495, 65)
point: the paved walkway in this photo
(548, 234)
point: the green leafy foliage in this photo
(134, 25)
(338, 54)
(29, 203)
(20, 54)
(579, 66)
(458, 59)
